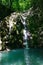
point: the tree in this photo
(35, 24)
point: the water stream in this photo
(0, 44)
(25, 38)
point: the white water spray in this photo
(0, 44)
(25, 37)
(23, 20)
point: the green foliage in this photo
(17, 5)
(8, 6)
(4, 11)
(35, 24)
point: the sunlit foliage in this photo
(17, 5)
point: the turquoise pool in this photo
(22, 57)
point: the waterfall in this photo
(0, 44)
(26, 34)
(25, 37)
(23, 20)
(25, 31)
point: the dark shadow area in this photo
(4, 11)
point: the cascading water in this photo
(23, 20)
(25, 38)
(0, 44)
(25, 33)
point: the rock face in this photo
(12, 26)
(12, 30)
(11, 35)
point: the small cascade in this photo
(0, 44)
(25, 31)
(25, 36)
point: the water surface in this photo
(22, 57)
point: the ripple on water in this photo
(22, 57)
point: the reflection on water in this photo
(26, 56)
(36, 57)
(18, 57)
(12, 58)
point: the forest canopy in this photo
(16, 5)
